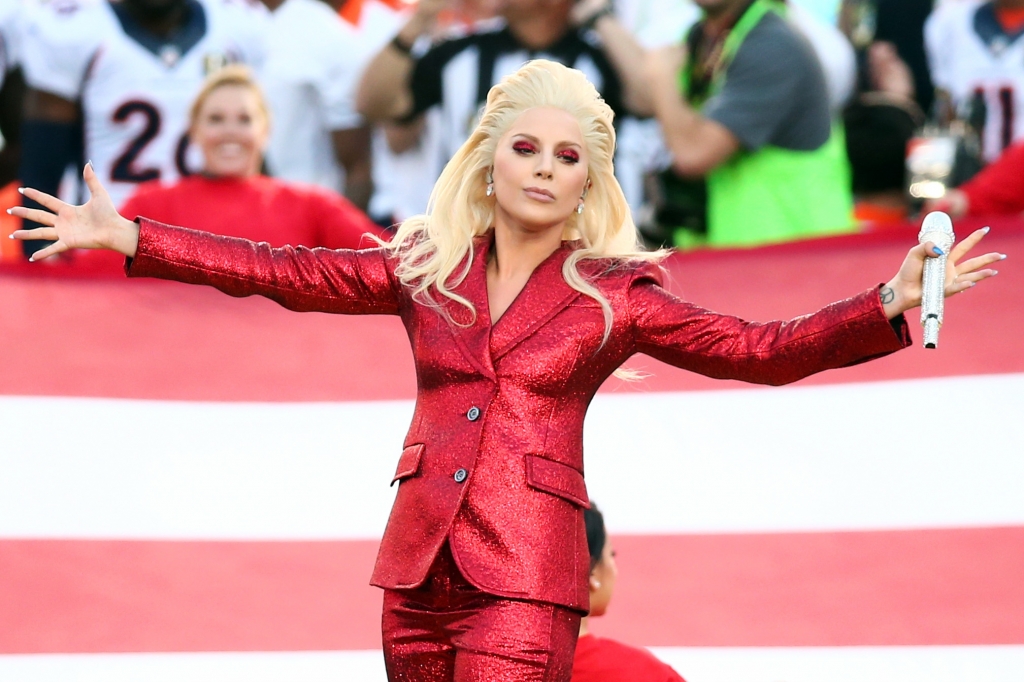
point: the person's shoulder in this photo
(776, 30)
(812, 26)
(65, 24)
(291, 189)
(953, 22)
(612, 273)
(776, 45)
(298, 196)
(156, 195)
(956, 13)
(457, 41)
(156, 187)
(599, 654)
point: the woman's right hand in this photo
(94, 225)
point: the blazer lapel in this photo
(545, 295)
(473, 339)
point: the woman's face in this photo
(231, 130)
(602, 581)
(540, 170)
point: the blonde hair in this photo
(430, 247)
(237, 75)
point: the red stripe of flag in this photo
(925, 587)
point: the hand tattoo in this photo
(888, 295)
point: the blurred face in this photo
(540, 170)
(518, 9)
(231, 130)
(479, 9)
(602, 581)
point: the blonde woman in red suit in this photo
(521, 290)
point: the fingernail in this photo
(21, 190)
(938, 251)
(32, 258)
(10, 236)
(995, 272)
(986, 229)
(1002, 256)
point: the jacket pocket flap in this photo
(409, 462)
(557, 478)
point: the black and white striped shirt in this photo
(455, 75)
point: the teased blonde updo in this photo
(433, 245)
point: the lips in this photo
(539, 194)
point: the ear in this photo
(594, 584)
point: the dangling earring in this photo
(490, 185)
(579, 206)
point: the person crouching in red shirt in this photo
(230, 125)
(605, 660)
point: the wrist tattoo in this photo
(888, 295)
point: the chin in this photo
(541, 220)
(228, 171)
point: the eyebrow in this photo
(562, 143)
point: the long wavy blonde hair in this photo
(432, 246)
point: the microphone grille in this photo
(937, 228)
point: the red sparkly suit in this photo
(493, 460)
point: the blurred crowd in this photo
(739, 122)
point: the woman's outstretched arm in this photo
(848, 332)
(341, 281)
(93, 225)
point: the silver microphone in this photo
(938, 229)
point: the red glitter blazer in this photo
(494, 457)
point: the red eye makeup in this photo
(569, 155)
(523, 147)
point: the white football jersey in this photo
(135, 90)
(969, 53)
(314, 61)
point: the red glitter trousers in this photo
(449, 631)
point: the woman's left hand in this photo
(903, 292)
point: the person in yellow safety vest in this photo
(743, 104)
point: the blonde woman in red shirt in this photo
(230, 124)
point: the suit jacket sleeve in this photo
(679, 333)
(302, 279)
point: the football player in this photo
(976, 54)
(115, 80)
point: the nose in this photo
(545, 166)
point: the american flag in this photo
(192, 487)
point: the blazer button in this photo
(460, 475)
(473, 414)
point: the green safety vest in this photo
(773, 194)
